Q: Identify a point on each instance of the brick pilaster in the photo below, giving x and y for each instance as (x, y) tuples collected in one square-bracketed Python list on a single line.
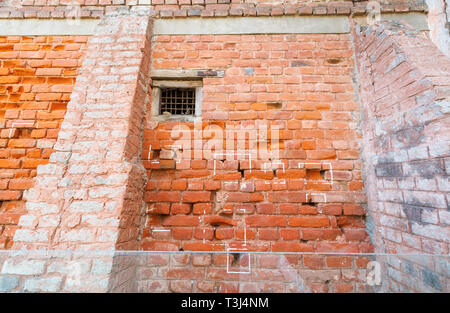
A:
[(89, 196), (404, 92)]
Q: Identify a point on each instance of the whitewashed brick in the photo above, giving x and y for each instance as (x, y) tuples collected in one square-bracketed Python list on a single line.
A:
[(52, 284), (86, 206), (27, 267), (26, 235)]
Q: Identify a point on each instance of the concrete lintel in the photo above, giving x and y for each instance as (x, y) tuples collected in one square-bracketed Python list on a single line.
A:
[(205, 26), (180, 26), (253, 25), (185, 74), (49, 27)]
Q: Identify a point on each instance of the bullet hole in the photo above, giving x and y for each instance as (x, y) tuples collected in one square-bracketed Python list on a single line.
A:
[(274, 105), (299, 64), (25, 133), (314, 174), (240, 170), (310, 202), (249, 71), (334, 61), (236, 258)]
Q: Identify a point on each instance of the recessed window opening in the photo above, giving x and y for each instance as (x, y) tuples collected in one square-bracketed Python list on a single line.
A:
[(177, 101)]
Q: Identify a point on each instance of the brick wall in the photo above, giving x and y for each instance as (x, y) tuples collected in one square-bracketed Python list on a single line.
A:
[(312, 197), (204, 8), (89, 196), (405, 94), (37, 75)]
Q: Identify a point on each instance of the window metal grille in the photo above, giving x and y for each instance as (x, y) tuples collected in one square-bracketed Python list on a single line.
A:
[(177, 101)]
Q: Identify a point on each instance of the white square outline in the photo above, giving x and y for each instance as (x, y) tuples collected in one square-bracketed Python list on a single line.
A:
[(14, 124), (249, 261), (321, 163)]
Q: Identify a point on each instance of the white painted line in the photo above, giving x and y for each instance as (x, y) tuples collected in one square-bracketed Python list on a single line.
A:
[(271, 165), (204, 213), (266, 168), (159, 229)]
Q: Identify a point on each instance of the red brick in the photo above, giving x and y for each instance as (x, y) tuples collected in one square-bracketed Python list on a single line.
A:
[(265, 208), (331, 234), (168, 196), (332, 209), (20, 184), (202, 208), (338, 261), (181, 233), (204, 233), (289, 234), (9, 218), (355, 234), (194, 196), (288, 208), (265, 220), (180, 208), (292, 247), (309, 221), (10, 195), (313, 262), (180, 220), (8, 163), (22, 143), (311, 234), (268, 234), (224, 233), (353, 209), (179, 184), (344, 287)]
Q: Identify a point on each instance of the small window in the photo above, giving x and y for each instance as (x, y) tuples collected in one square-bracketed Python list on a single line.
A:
[(176, 100)]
